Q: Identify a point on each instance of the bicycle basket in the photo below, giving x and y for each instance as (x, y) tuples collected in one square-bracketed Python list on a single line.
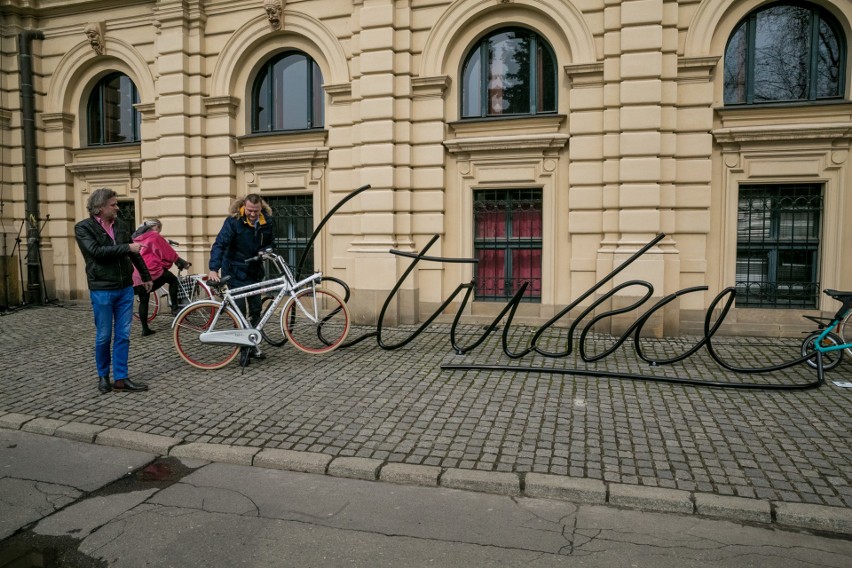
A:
[(185, 289)]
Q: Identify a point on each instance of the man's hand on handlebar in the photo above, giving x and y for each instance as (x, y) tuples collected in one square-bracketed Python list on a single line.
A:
[(213, 276)]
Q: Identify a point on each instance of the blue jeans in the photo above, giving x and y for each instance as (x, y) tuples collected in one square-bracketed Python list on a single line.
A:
[(113, 312)]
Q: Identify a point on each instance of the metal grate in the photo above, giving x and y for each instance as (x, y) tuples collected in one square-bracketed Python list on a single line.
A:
[(778, 243), (293, 216), (507, 242)]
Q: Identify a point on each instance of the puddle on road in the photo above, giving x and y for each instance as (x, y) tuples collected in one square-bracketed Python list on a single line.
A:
[(29, 550)]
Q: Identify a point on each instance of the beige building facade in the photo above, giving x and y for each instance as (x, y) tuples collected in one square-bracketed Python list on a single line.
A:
[(550, 139)]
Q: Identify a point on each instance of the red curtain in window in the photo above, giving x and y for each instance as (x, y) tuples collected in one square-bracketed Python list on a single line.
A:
[(526, 262), (490, 273)]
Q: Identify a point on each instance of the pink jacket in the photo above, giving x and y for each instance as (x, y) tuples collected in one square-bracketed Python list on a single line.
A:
[(157, 253)]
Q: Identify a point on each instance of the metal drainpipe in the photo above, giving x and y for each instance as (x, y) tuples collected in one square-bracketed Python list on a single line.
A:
[(25, 67)]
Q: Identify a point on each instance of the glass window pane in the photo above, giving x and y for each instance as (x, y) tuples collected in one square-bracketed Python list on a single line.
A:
[(736, 58), (829, 58), (290, 92), (781, 54), (546, 80), (318, 98), (261, 110), (95, 117), (472, 85), (509, 74)]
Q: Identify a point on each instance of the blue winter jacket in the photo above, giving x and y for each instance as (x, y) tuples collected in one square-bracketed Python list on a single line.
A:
[(238, 241)]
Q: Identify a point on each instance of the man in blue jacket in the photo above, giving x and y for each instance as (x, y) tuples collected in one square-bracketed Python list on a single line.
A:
[(247, 230), (110, 256)]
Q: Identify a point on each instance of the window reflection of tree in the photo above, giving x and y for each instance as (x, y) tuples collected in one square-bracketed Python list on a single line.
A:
[(784, 52)]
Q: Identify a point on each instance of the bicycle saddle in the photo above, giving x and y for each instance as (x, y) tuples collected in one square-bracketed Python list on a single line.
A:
[(839, 295)]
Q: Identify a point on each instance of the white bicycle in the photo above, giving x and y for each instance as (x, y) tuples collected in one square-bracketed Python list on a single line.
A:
[(209, 334)]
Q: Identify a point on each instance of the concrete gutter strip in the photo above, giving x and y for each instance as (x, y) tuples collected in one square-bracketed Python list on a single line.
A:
[(355, 468), (739, 508), (409, 474), (292, 460), (574, 489), (482, 481), (130, 440), (578, 490), (650, 498), (239, 455)]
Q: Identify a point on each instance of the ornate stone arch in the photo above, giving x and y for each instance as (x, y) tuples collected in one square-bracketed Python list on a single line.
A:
[(564, 22), (253, 42), (75, 71), (710, 28)]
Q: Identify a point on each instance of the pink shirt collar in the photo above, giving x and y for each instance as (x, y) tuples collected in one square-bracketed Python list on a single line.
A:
[(110, 229)]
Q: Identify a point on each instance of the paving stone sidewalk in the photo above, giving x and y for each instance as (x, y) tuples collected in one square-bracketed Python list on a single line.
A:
[(398, 408)]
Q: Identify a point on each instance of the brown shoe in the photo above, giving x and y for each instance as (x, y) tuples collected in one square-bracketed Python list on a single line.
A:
[(126, 385)]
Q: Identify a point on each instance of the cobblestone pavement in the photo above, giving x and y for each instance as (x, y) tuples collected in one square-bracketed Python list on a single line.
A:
[(400, 406)]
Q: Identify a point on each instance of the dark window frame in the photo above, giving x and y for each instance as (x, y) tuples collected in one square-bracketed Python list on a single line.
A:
[(314, 97), (745, 63), (505, 202), (97, 110), (534, 82)]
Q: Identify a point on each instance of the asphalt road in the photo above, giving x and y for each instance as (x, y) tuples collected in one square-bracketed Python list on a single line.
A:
[(72, 504)]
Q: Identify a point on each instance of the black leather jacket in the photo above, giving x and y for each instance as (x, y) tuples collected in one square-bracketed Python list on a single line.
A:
[(109, 265)]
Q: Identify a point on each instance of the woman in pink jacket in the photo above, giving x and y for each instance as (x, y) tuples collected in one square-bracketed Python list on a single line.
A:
[(159, 256)]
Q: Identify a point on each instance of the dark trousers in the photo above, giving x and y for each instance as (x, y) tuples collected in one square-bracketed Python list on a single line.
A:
[(144, 297)]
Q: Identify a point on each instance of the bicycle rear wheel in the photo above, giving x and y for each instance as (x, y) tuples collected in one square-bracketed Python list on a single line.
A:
[(153, 306), (194, 321), (845, 329), (315, 320), (831, 359)]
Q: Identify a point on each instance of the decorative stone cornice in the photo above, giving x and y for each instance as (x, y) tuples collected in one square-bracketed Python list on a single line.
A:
[(695, 69), (221, 105), (541, 142), (783, 133), (106, 166), (283, 155), (424, 87), (5, 119), (62, 121), (147, 110), (340, 93), (585, 74)]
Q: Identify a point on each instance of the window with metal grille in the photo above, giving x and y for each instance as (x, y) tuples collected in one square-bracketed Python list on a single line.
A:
[(778, 244), (293, 216), (111, 116), (127, 212), (507, 242)]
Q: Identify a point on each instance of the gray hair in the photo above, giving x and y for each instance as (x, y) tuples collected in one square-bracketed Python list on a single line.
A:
[(99, 198)]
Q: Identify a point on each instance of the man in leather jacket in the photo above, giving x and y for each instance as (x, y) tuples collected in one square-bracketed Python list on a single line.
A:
[(110, 256)]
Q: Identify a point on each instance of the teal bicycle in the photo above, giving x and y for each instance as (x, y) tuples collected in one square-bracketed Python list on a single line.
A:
[(827, 343)]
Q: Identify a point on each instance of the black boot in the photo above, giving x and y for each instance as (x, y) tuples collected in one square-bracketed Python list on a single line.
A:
[(147, 330), (103, 385)]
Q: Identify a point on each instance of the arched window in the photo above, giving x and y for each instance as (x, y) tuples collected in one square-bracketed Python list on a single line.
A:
[(787, 51), (509, 72), (112, 119), (287, 94)]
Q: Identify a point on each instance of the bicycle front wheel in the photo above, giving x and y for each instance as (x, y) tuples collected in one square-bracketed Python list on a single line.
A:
[(845, 329), (830, 359), (315, 320), (194, 321)]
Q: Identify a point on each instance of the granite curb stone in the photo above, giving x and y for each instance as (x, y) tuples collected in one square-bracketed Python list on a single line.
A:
[(130, 440), (292, 460), (14, 421), (650, 498), (482, 481), (739, 508), (798, 515), (355, 468), (239, 455), (46, 426), (817, 517), (79, 432), (409, 474), (574, 489)]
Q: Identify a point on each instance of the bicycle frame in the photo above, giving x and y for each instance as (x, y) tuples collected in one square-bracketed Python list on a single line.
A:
[(829, 328), (249, 336)]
